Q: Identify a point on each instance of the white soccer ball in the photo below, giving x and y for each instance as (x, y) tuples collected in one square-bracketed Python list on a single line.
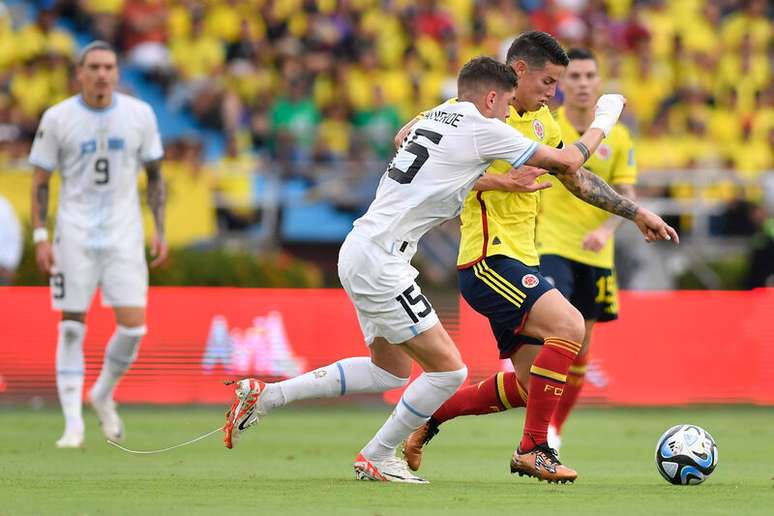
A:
[(686, 455)]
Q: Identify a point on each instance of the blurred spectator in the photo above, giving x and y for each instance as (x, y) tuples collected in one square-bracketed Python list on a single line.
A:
[(144, 34)]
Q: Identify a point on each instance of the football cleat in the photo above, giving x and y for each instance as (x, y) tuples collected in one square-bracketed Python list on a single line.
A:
[(109, 420), (554, 439), (412, 447), (389, 470), (542, 463), (70, 439), (244, 411)]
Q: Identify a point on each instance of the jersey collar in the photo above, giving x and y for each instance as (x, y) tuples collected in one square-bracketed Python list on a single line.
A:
[(95, 110)]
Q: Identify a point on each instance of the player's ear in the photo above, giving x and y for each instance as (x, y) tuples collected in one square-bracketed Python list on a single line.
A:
[(490, 99), (520, 67)]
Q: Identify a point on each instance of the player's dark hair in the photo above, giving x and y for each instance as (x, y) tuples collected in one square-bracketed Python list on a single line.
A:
[(535, 48), (95, 45), (580, 53), (485, 73)]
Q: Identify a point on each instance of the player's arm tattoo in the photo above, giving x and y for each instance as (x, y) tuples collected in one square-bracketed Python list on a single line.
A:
[(156, 195), (595, 191), (40, 192)]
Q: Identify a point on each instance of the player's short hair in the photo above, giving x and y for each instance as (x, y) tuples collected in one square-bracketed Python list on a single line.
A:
[(95, 45), (535, 48), (484, 72), (580, 53)]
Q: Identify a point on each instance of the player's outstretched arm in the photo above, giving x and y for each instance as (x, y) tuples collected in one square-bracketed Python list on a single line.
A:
[(156, 198), (44, 255), (596, 239)]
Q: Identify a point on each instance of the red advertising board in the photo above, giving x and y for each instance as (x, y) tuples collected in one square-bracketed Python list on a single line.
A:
[(667, 348)]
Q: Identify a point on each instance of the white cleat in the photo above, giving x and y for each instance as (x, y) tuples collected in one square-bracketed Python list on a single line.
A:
[(245, 411), (112, 426), (554, 439), (70, 439), (393, 469)]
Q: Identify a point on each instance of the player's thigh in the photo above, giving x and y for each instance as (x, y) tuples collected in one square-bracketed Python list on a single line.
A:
[(558, 272), (553, 316), (381, 286), (75, 274), (124, 280), (504, 291)]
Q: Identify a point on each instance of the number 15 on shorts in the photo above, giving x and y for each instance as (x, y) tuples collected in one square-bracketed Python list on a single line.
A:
[(409, 302)]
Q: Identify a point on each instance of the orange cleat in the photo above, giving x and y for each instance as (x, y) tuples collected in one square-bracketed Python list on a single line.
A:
[(542, 463), (412, 447)]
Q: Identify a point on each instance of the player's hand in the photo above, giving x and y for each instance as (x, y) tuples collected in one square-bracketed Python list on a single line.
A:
[(44, 256), (653, 227), (596, 240), (158, 250), (524, 179)]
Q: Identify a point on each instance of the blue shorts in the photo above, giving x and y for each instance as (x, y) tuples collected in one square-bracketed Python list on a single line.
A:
[(503, 290), (592, 290)]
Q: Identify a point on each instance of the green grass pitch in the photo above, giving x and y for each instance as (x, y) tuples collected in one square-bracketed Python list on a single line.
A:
[(297, 461)]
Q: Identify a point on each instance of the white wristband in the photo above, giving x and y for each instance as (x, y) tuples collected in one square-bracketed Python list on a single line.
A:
[(39, 235), (605, 123)]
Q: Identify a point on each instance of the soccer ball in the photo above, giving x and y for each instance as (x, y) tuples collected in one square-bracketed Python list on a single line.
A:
[(686, 454)]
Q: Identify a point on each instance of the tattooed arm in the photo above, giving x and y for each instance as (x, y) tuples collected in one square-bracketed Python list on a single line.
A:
[(44, 255), (595, 191), (156, 197), (596, 239)]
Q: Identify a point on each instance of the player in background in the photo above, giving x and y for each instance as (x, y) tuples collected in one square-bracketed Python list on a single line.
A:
[(575, 239), (444, 154), (97, 140), (535, 327)]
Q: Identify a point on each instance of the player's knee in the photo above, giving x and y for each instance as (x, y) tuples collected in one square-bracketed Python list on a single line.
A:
[(125, 345), (72, 332), (386, 379), (448, 381), (570, 325), (74, 316)]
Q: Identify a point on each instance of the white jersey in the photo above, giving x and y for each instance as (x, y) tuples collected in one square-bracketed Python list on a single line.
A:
[(98, 154), (437, 165)]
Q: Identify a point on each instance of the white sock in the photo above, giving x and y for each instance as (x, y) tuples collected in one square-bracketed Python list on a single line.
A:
[(69, 372), (423, 397), (121, 351), (347, 376)]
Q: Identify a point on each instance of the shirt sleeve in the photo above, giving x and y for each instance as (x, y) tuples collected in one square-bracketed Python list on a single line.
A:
[(497, 140), (624, 166), (151, 148), (45, 148)]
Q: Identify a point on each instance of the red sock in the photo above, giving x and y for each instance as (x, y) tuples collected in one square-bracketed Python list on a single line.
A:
[(547, 378), (499, 392), (575, 377)]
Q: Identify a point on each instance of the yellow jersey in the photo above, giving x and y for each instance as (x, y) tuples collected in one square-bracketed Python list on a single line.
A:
[(564, 220), (503, 223)]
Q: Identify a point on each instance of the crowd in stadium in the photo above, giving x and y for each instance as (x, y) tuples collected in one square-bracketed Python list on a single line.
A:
[(295, 85)]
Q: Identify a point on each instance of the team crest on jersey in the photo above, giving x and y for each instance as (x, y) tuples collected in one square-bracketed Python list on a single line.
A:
[(604, 151), (529, 281), (540, 131)]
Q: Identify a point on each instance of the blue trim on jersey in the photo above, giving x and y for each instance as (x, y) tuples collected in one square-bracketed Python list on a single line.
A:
[(40, 164), (414, 330), (342, 379), (412, 409), (526, 155), (83, 104)]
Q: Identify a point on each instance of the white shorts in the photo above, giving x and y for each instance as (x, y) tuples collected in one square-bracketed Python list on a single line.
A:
[(381, 285), (121, 274)]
